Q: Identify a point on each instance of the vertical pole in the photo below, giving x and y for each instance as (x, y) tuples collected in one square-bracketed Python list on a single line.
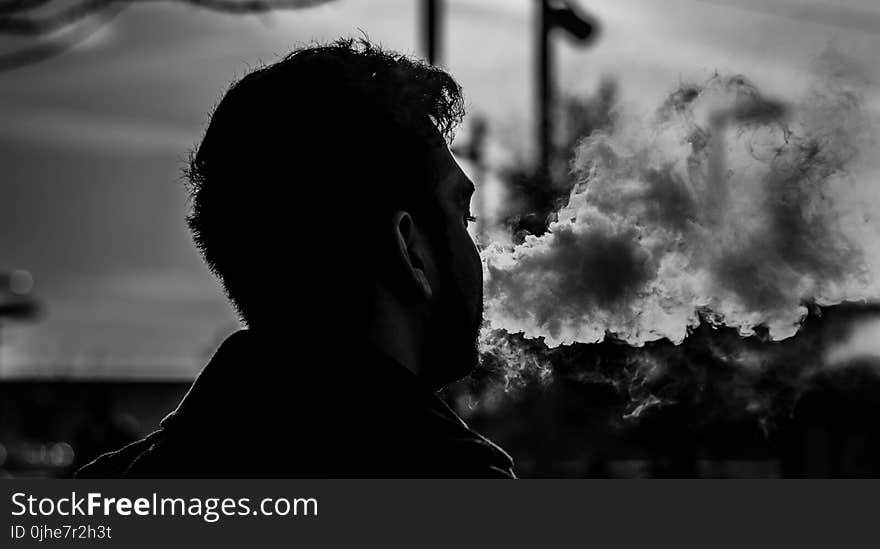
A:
[(478, 146), (544, 92), (432, 30)]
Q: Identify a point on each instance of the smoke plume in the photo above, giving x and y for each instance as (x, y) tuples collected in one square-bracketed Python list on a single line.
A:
[(724, 206)]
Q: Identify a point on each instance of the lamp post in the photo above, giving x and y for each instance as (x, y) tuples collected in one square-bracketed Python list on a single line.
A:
[(432, 30), (583, 29)]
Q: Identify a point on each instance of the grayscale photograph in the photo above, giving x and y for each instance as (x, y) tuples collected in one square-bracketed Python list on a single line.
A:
[(421, 239)]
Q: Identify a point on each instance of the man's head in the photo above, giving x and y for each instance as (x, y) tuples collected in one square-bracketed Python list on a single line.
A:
[(324, 181)]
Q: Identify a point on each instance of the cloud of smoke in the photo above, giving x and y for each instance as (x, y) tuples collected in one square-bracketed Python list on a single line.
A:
[(715, 376), (724, 206)]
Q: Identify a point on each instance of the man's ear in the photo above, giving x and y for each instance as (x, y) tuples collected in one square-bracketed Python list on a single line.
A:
[(410, 249)]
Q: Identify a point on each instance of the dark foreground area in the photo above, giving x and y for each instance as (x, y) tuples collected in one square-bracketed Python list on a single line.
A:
[(554, 429)]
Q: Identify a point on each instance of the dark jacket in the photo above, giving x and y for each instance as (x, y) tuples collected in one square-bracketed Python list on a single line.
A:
[(255, 412)]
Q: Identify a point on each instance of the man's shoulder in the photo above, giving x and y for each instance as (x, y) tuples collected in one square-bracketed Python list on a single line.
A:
[(117, 463), (422, 450)]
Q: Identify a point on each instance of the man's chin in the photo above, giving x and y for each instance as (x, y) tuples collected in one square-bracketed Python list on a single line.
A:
[(452, 350), (449, 367)]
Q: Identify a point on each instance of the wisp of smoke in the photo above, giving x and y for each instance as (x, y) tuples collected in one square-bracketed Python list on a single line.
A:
[(724, 206)]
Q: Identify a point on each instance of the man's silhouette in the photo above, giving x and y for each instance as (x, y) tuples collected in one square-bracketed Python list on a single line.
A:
[(326, 201)]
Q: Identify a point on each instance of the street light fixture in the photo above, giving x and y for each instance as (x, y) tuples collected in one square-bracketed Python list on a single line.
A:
[(553, 14)]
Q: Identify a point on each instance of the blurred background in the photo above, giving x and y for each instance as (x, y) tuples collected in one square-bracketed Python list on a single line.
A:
[(107, 312)]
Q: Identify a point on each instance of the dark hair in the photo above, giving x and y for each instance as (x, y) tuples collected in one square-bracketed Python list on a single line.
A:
[(303, 161)]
